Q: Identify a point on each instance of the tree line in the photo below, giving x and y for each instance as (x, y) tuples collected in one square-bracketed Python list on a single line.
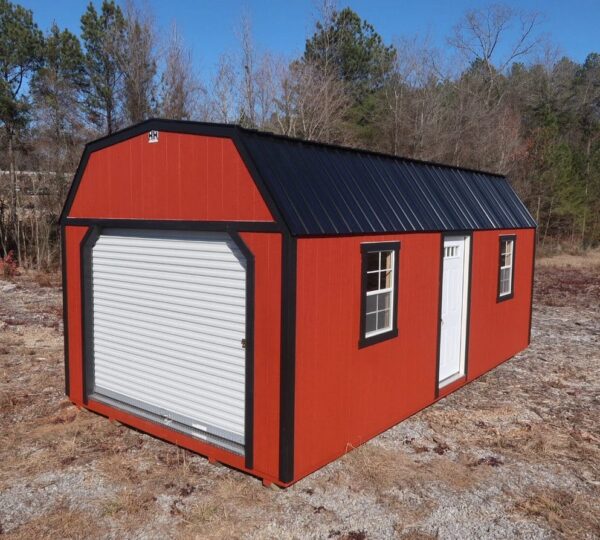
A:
[(498, 98)]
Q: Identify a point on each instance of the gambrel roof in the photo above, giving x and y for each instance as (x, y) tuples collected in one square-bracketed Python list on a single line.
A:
[(321, 189)]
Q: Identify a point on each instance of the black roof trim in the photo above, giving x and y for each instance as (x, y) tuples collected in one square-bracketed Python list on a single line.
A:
[(316, 189)]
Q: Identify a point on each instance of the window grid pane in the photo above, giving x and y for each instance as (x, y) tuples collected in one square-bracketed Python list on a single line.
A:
[(380, 267), (506, 263), (382, 311)]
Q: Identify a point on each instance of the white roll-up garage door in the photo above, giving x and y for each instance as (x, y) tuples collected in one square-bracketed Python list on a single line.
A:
[(169, 324)]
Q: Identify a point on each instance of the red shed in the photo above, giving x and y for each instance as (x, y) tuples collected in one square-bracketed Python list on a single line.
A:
[(269, 302)]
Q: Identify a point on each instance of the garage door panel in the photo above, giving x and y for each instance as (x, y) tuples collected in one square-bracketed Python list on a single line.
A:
[(169, 391), (155, 371), (226, 438), (217, 360), (169, 321), (165, 243), (214, 278), (209, 310), (226, 350), (191, 269), (217, 417), (158, 290), (145, 313), (216, 289), (218, 335), (155, 356), (208, 258)]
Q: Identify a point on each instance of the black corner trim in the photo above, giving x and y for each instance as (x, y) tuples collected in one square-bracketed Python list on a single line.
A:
[(63, 271), (532, 288), (443, 236), (502, 238), (87, 309), (366, 248), (287, 390), (249, 398)]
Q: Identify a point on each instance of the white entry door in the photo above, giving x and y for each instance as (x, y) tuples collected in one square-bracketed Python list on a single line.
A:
[(169, 325), (455, 281)]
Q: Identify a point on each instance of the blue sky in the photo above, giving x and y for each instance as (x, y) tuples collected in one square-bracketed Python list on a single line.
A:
[(281, 26)]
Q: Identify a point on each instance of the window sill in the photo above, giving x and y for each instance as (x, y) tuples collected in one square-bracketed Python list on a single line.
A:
[(505, 297), (377, 338)]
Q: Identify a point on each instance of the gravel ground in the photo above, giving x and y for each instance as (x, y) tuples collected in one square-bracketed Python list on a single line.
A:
[(514, 454)]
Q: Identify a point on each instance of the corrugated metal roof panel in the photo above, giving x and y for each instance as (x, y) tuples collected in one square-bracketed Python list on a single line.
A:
[(327, 190)]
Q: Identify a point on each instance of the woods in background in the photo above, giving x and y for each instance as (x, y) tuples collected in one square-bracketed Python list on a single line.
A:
[(497, 98)]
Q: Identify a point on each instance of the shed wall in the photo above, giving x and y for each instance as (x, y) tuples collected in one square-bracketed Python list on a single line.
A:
[(346, 395), (266, 248), (499, 330), (181, 177)]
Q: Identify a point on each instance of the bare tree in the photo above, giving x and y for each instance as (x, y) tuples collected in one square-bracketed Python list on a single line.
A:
[(222, 103), (285, 114), (483, 35), (312, 104), (248, 75), (180, 90), (139, 63)]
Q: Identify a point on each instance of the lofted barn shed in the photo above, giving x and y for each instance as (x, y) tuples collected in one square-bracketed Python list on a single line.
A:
[(269, 302)]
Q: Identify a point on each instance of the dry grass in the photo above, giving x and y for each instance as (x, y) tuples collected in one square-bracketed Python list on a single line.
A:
[(516, 453), (571, 515), (587, 259)]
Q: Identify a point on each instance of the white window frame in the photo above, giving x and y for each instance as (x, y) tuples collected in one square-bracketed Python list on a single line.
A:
[(505, 241), (387, 290)]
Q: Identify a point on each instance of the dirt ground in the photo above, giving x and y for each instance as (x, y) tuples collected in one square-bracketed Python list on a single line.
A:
[(514, 454)]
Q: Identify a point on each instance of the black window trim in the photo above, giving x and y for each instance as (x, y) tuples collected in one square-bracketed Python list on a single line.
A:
[(503, 238), (365, 249)]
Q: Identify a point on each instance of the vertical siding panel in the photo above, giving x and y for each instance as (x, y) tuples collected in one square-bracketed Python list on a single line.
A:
[(165, 206), (230, 181), (203, 209), (187, 177), (212, 181)]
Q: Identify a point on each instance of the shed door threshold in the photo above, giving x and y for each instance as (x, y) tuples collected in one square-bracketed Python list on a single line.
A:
[(171, 423)]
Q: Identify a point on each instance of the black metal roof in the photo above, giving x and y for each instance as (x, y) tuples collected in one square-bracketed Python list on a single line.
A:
[(326, 190), (321, 189)]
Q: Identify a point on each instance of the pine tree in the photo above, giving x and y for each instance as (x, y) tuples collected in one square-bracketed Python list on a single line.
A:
[(103, 36), (21, 44)]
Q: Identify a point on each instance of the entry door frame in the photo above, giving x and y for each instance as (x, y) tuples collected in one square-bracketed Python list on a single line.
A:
[(87, 308), (466, 315)]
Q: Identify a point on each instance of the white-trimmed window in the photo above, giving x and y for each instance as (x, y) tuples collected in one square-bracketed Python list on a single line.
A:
[(379, 291), (506, 273)]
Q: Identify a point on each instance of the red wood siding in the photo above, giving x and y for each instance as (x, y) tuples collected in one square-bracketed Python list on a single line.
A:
[(346, 395), (499, 330), (266, 248), (182, 177), (267, 359)]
